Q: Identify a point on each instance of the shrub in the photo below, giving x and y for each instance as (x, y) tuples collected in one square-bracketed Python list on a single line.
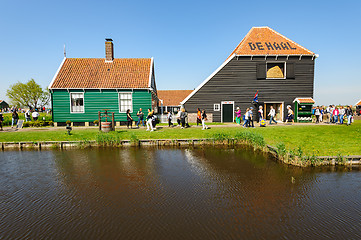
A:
[(108, 139), (255, 139), (50, 123), (220, 136), (134, 139), (281, 149)]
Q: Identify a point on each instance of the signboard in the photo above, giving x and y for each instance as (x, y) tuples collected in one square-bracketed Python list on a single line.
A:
[(20, 124), (261, 46)]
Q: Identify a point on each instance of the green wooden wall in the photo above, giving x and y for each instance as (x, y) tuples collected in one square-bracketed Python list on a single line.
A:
[(94, 101)]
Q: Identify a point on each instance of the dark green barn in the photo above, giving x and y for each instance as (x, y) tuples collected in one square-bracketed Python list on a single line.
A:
[(83, 86)]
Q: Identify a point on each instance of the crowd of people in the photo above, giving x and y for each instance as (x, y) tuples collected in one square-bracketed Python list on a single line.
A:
[(29, 114), (333, 114)]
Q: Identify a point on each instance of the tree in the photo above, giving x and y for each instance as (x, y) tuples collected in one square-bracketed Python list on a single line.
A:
[(28, 94)]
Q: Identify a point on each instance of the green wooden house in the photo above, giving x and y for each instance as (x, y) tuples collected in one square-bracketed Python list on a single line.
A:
[(84, 86)]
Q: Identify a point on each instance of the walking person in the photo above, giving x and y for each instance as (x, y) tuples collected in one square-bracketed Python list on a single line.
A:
[(238, 116), (15, 118), (1, 120), (150, 120), (290, 116), (260, 113), (250, 117), (27, 116), (35, 115), (322, 111), (335, 114), (182, 117), (349, 115), (140, 115), (272, 114), (342, 114), (245, 116), (199, 116), (204, 119), (317, 114), (169, 117), (129, 119)]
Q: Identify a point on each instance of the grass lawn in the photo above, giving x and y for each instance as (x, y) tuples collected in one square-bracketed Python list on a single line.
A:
[(320, 140)]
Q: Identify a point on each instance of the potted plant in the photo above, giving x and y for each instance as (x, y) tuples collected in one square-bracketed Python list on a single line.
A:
[(96, 122), (68, 127)]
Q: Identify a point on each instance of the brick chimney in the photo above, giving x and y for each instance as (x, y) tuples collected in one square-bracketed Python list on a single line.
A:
[(109, 51)]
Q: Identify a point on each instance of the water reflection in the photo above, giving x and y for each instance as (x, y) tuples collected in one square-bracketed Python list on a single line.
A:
[(172, 193)]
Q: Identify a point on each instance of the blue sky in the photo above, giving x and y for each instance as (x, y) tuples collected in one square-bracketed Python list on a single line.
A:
[(188, 39)]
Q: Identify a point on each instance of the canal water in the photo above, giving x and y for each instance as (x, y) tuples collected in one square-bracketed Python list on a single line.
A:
[(173, 194)]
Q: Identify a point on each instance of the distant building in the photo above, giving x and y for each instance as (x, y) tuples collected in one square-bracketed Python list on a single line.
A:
[(83, 86), (3, 104), (264, 61), (358, 108), (170, 100)]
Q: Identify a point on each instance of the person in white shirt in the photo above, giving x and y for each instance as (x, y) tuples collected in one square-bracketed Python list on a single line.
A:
[(35, 115), (260, 113), (272, 114)]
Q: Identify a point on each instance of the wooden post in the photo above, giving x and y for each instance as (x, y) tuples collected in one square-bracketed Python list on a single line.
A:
[(100, 124), (113, 124)]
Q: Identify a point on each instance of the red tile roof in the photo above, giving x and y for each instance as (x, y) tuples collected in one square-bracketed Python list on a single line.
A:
[(304, 100), (266, 41), (96, 73), (358, 103), (173, 97)]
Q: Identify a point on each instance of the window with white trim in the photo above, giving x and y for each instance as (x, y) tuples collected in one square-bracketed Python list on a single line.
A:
[(216, 107), (76, 102), (125, 102)]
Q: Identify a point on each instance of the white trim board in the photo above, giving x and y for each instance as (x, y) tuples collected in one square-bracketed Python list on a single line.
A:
[(151, 72), (56, 74), (207, 79)]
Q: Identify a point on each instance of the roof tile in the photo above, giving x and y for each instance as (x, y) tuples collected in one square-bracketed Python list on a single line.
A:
[(173, 97), (96, 73), (266, 41)]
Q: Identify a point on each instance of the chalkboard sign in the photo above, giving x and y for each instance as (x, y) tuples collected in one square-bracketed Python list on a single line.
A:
[(20, 124)]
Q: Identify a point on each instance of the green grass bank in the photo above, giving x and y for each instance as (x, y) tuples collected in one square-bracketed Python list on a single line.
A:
[(313, 140)]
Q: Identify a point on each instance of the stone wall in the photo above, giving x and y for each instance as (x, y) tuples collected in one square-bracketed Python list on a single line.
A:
[(192, 117)]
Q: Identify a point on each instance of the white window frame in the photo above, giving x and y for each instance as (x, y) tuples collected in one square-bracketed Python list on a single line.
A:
[(284, 72), (82, 93), (216, 107), (119, 106)]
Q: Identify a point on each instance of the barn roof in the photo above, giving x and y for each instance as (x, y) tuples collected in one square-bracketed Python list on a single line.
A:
[(266, 41), (173, 97), (97, 73)]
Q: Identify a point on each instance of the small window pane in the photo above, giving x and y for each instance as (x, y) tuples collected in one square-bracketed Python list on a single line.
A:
[(216, 107), (77, 102), (125, 102)]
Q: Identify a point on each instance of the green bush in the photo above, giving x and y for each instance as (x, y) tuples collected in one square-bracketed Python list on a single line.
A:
[(255, 139), (220, 136), (281, 149), (108, 139)]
